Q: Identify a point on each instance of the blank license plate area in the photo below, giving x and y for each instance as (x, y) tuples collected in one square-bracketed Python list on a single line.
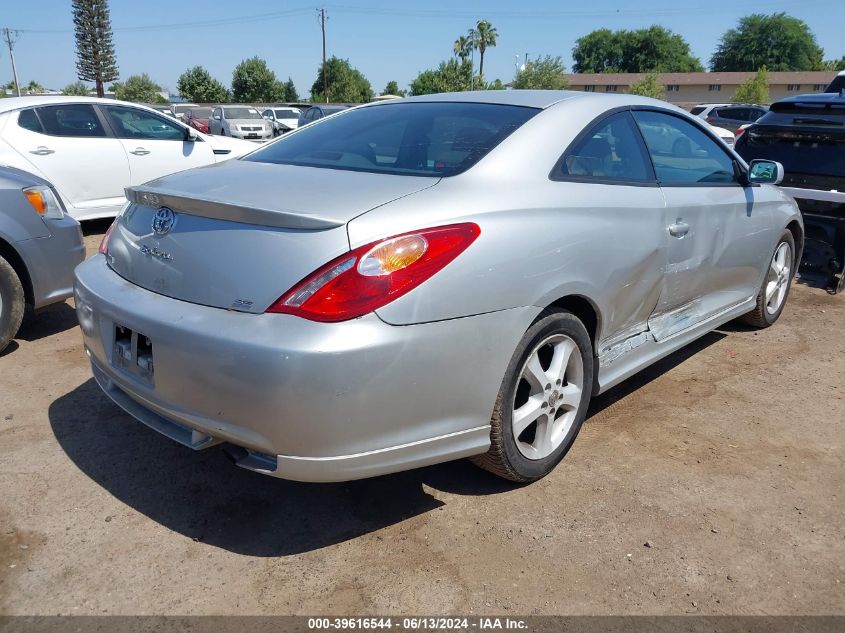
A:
[(133, 352)]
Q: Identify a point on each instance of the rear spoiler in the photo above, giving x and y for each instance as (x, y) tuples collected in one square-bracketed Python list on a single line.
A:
[(207, 208)]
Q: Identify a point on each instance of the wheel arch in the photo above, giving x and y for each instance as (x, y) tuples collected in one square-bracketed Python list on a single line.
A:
[(8, 252), (585, 310), (794, 227)]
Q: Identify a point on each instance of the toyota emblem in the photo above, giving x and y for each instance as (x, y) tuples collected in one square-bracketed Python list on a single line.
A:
[(163, 221)]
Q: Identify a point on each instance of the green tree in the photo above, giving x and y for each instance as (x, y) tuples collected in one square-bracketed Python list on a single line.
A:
[(462, 48), (253, 81), (834, 64), (346, 84), (654, 49), (482, 37), (545, 74), (197, 85), (648, 86), (392, 88), (290, 93), (754, 90), (496, 84), (34, 88), (450, 76), (95, 59), (76, 89), (139, 88), (778, 41)]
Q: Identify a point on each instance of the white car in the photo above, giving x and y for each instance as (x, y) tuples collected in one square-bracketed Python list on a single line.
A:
[(180, 109), (92, 149), (726, 135)]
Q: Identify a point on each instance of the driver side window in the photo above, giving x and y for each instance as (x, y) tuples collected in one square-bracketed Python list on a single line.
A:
[(682, 153)]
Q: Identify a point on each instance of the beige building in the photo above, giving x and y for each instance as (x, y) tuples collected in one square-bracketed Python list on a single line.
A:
[(689, 89)]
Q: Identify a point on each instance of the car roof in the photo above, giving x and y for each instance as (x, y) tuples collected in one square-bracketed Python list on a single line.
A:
[(529, 98), (16, 103), (819, 97)]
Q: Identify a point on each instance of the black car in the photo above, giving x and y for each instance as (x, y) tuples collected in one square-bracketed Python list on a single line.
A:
[(806, 134)]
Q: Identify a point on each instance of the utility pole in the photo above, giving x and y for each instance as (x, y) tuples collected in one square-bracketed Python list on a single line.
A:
[(325, 77), (11, 37)]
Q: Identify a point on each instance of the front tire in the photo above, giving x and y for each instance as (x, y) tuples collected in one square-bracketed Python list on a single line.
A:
[(771, 299), (543, 399), (12, 303)]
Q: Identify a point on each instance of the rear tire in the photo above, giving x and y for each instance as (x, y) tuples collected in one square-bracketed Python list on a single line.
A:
[(543, 399), (12, 303), (771, 299)]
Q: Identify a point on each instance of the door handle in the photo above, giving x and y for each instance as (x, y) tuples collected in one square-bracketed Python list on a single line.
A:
[(140, 151), (42, 151), (678, 229)]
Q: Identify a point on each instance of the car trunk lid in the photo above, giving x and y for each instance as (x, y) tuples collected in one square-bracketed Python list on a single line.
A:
[(239, 234)]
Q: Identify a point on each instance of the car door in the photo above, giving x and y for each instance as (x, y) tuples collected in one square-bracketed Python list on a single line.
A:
[(71, 147), (619, 196), (716, 232), (155, 145)]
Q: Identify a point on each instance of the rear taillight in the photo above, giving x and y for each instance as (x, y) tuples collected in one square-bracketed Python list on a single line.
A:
[(709, 120), (104, 243), (373, 275), (739, 133)]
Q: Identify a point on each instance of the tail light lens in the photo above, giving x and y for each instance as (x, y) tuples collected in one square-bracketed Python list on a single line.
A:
[(373, 275), (739, 133), (104, 243), (709, 120)]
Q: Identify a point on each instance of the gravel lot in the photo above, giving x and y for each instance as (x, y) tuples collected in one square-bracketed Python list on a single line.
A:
[(711, 483)]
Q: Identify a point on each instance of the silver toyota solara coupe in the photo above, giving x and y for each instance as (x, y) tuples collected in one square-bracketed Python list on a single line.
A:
[(422, 280)]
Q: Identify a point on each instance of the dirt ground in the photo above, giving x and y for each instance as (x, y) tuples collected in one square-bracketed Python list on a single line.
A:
[(712, 483)]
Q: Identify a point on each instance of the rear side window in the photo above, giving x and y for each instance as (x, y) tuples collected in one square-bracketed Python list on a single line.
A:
[(682, 153), (28, 120), (697, 110), (611, 151), (74, 119), (414, 139)]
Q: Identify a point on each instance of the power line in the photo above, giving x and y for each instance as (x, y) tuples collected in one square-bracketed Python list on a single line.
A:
[(441, 13)]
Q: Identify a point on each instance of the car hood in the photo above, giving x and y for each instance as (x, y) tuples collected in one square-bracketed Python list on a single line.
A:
[(227, 147)]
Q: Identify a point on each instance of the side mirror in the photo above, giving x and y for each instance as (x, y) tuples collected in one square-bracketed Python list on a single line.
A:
[(767, 172), (190, 134)]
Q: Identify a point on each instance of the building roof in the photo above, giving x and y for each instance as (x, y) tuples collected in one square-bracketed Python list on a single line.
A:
[(699, 79)]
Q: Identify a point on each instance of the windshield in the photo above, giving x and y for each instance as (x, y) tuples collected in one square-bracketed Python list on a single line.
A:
[(241, 113), (181, 108), (286, 115), (415, 139), (200, 113)]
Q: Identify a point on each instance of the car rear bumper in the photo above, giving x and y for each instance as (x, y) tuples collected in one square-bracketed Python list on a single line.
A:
[(301, 400)]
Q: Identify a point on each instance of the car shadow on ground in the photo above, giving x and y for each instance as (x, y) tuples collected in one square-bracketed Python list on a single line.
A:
[(51, 320), (203, 496)]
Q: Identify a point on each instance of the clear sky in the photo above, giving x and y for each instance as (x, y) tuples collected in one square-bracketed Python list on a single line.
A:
[(384, 39)]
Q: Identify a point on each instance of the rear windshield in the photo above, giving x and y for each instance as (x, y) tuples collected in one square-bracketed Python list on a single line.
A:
[(415, 139), (802, 113)]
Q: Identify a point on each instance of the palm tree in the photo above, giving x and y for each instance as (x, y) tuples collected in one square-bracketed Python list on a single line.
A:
[(484, 36), (34, 88), (462, 48)]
